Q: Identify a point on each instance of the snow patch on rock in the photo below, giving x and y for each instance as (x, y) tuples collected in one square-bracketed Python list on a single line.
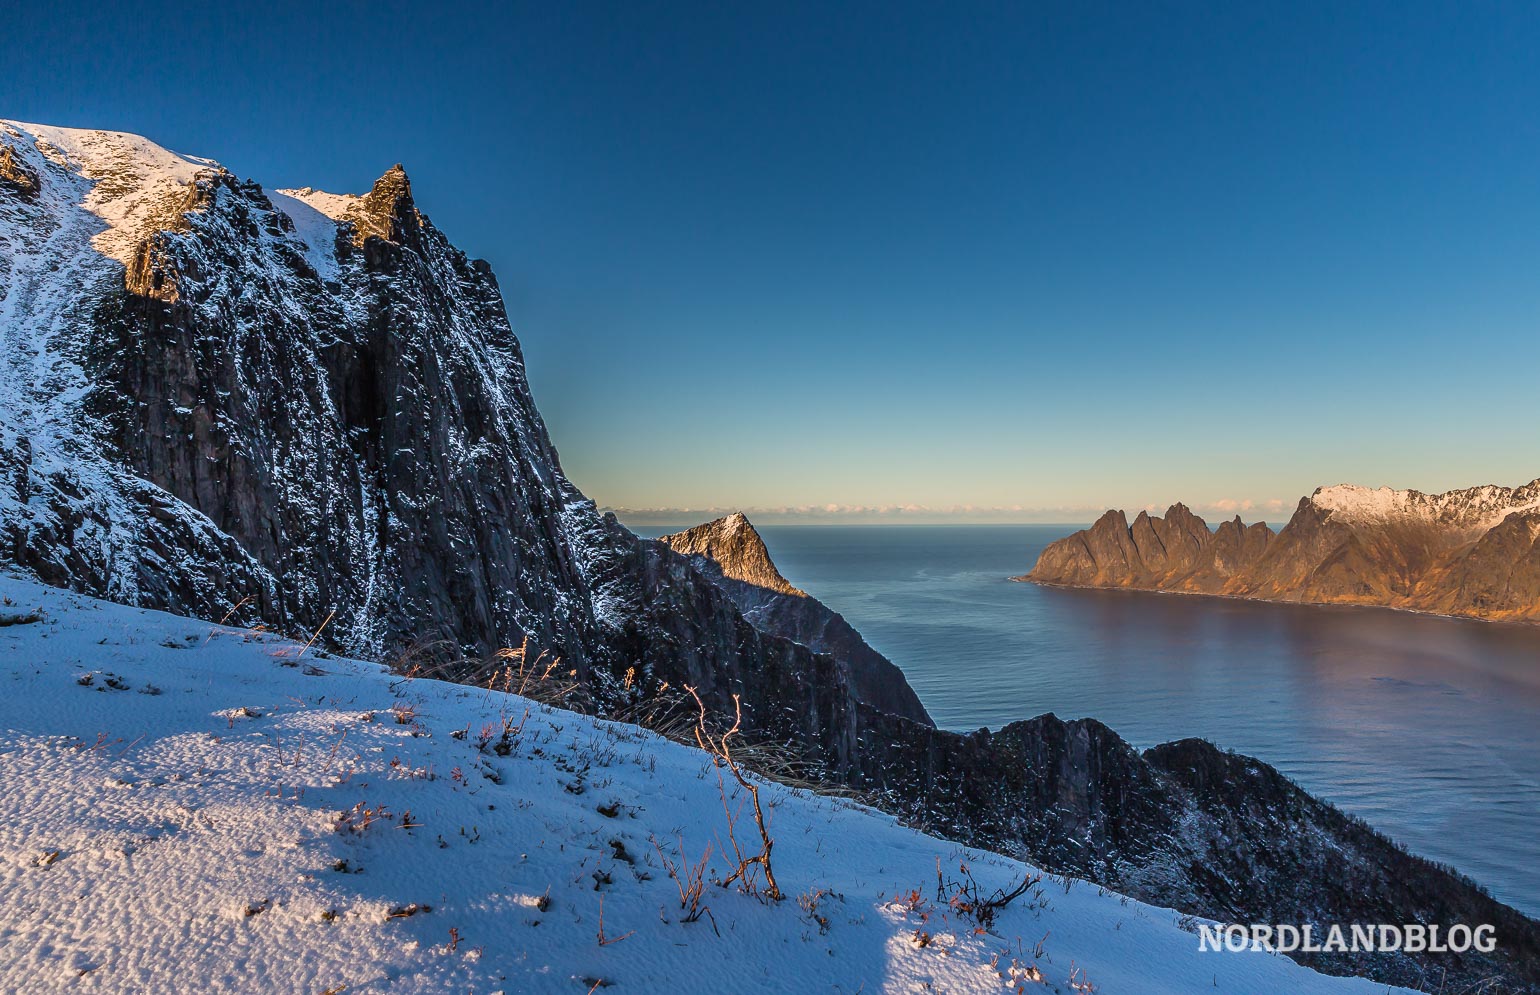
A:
[(1474, 509), (315, 227), (137, 186)]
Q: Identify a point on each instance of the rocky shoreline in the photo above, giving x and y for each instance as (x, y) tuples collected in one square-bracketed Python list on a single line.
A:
[(1473, 553)]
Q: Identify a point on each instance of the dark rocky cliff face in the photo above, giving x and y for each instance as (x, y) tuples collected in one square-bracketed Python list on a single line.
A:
[(373, 448), (220, 397), (731, 553), (1471, 553)]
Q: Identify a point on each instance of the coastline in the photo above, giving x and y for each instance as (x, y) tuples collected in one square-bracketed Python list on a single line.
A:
[(1524, 623)]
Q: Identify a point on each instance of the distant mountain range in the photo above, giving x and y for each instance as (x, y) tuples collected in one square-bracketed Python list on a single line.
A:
[(1471, 552)]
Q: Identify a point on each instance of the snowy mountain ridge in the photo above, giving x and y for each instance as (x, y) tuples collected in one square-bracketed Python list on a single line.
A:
[(1471, 509), (127, 245), (64, 246), (135, 186)]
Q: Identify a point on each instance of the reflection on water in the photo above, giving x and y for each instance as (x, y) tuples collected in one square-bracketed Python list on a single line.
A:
[(1428, 728)]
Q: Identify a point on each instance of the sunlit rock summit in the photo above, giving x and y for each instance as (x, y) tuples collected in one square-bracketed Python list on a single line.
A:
[(731, 552)]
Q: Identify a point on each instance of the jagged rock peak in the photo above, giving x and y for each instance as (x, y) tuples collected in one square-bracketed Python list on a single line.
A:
[(730, 552), (1180, 510), (735, 545), (393, 182), (386, 212)]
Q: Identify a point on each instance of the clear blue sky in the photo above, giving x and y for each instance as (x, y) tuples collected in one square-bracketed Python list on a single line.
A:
[(1001, 255)]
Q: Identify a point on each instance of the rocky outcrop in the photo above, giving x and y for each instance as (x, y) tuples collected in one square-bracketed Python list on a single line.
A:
[(1269, 850), (1470, 552), (310, 409), (731, 553), (731, 549), (1188, 826), (17, 178), (1177, 552)]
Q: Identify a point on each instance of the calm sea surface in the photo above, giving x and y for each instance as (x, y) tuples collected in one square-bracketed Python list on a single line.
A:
[(1428, 728)]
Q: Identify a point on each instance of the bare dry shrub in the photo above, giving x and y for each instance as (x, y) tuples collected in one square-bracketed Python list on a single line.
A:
[(690, 879), (967, 898), (539, 676), (606, 940), (675, 715), (809, 902), (719, 745)]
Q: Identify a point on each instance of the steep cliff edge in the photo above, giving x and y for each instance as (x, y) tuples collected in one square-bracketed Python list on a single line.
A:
[(309, 410), (203, 409), (1472, 552), (730, 551)]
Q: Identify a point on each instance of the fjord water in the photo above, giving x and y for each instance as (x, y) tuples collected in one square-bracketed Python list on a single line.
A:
[(1429, 728)]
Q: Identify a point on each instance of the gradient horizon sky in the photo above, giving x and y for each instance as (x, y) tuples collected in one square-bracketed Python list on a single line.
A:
[(1044, 259)]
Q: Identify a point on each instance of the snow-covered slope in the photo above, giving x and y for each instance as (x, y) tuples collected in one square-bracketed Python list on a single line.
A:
[(174, 820), (134, 187)]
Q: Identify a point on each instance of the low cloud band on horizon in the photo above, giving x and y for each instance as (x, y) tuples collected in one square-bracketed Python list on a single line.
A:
[(920, 514)]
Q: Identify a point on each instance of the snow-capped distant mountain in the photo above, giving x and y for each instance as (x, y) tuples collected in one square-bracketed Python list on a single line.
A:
[(1472, 552), (1471, 510)]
